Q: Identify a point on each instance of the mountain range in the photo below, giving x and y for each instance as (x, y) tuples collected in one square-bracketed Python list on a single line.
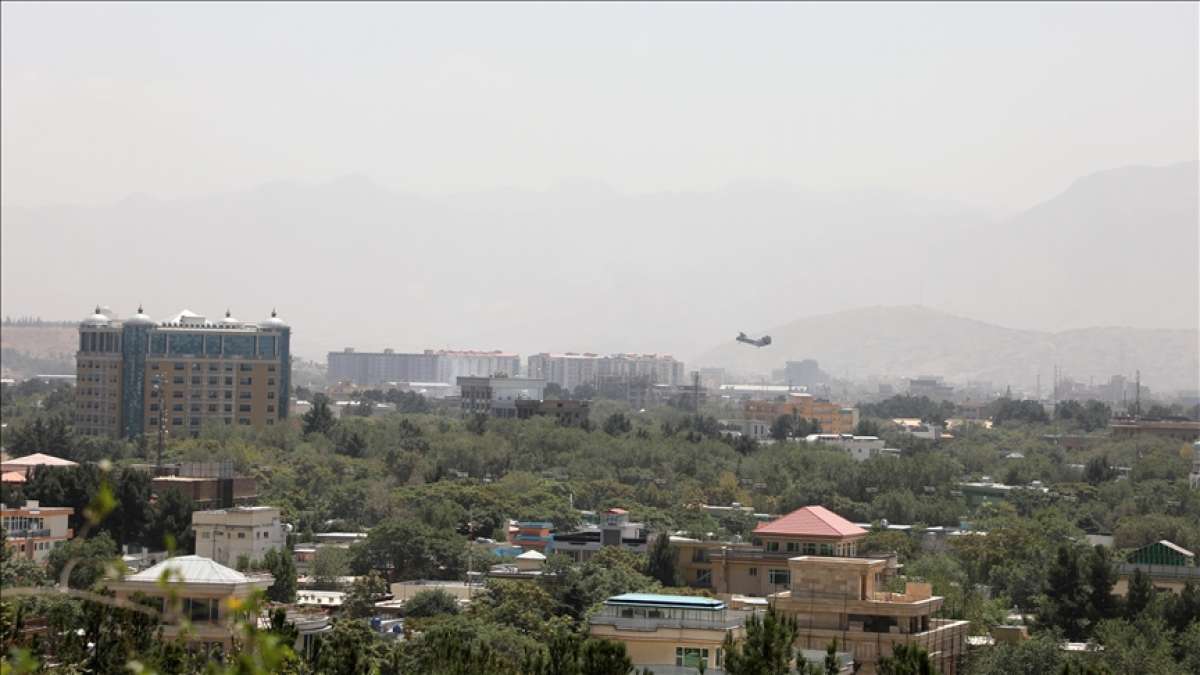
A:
[(581, 267), (910, 341)]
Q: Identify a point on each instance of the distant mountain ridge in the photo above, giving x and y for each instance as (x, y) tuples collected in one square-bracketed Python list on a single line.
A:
[(909, 341), (580, 267)]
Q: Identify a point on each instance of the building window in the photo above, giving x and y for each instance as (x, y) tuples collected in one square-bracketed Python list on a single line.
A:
[(270, 408), (245, 395), (244, 421), (772, 546), (213, 380), (178, 379), (180, 366), (228, 407), (245, 381), (779, 577), (241, 535), (195, 421), (826, 549), (153, 407), (793, 547), (270, 394), (270, 382), (690, 657), (753, 571), (228, 381), (228, 395), (244, 407), (810, 548), (177, 421), (178, 407), (703, 578), (212, 407), (245, 367)]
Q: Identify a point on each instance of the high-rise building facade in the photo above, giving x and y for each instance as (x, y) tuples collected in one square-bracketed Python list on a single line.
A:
[(571, 370), (136, 374), (371, 369)]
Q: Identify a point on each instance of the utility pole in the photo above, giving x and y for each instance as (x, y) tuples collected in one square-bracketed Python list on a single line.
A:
[(1137, 394), (162, 423)]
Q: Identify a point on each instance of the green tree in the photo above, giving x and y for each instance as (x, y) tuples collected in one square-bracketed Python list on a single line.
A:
[(617, 424), (329, 565), (349, 649), (363, 594), (604, 657), (660, 564), (782, 428), (910, 659), (1065, 605), (85, 560), (172, 524), (768, 646), (281, 566), (319, 419), (1142, 646), (1102, 576), (1140, 595), (1040, 654), (429, 603)]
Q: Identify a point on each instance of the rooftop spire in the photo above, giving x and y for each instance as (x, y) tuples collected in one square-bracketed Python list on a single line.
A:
[(227, 314)]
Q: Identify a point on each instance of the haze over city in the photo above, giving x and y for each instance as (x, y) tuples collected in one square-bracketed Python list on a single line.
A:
[(638, 177)]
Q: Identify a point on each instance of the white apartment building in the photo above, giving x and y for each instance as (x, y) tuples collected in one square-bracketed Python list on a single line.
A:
[(570, 370), (225, 535), (860, 448)]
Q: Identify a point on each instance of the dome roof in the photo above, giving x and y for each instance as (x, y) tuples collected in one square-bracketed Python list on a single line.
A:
[(229, 319), (97, 319), (273, 322), (139, 319)]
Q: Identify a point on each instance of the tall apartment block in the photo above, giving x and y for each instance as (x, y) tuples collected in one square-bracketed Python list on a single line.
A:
[(182, 372), (370, 369), (570, 370)]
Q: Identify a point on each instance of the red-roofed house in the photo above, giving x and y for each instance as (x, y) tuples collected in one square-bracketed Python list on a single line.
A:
[(25, 465), (812, 530), (760, 567)]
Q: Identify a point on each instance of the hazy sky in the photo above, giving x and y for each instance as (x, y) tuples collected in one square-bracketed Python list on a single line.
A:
[(996, 105)]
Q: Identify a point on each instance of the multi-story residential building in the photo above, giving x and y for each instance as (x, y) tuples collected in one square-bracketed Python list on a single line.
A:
[(614, 529), (838, 598), (203, 590), (226, 535), (136, 374), (32, 531), (373, 369), (759, 568), (930, 387), (570, 370), (498, 396), (833, 418), (859, 448)]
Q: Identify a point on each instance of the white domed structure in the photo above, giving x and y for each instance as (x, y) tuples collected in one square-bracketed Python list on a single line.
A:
[(273, 322), (229, 320), (139, 319), (97, 319)]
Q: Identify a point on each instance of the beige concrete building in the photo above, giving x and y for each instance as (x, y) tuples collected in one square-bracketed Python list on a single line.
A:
[(225, 535), (840, 598), (760, 567), (32, 531), (195, 588), (662, 632), (135, 374)]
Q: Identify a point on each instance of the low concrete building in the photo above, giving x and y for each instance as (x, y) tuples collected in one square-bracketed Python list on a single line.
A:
[(1169, 566), (31, 531), (669, 632), (859, 448), (199, 589), (225, 535), (614, 529), (835, 598), (498, 396)]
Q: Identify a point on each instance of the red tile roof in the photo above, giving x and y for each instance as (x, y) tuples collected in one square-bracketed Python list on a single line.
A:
[(811, 521)]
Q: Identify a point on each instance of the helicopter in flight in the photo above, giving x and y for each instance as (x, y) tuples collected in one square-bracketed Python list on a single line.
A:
[(759, 342)]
